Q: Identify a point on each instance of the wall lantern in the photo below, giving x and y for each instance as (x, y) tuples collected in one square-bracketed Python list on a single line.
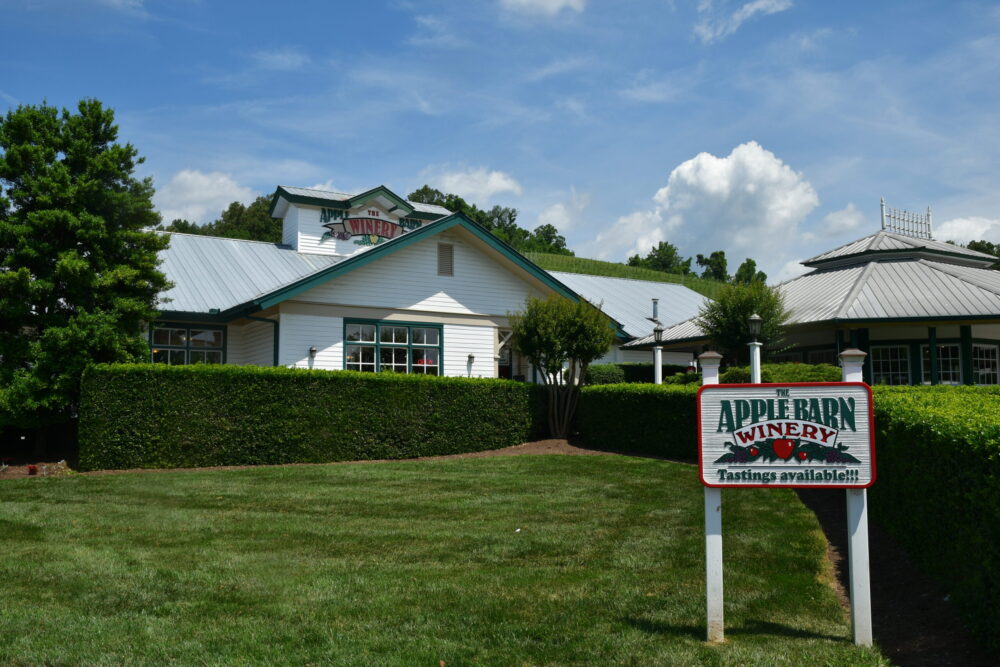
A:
[(472, 359), (756, 321), (312, 352)]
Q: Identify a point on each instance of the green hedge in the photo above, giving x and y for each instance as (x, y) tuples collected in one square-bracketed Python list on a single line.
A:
[(155, 416), (789, 372), (604, 374), (938, 489), (638, 372), (640, 419)]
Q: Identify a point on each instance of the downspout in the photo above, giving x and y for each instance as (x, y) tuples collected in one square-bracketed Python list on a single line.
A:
[(275, 336)]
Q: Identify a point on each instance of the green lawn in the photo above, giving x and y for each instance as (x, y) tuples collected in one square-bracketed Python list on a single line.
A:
[(520, 560)]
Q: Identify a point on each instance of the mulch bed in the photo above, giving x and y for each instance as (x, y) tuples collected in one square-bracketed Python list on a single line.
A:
[(914, 623)]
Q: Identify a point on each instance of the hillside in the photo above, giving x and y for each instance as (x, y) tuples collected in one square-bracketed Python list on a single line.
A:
[(596, 267)]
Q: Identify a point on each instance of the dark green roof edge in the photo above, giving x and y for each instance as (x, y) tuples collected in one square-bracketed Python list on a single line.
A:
[(381, 189), (894, 251), (345, 204)]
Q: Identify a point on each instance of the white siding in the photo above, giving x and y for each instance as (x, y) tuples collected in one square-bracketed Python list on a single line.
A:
[(250, 345), (460, 341), (309, 231), (616, 355), (290, 227), (300, 332), (408, 279)]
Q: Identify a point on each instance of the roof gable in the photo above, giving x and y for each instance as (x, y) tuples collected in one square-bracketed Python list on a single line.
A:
[(286, 194), (889, 244)]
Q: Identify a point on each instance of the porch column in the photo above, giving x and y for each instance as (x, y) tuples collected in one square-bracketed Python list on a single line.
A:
[(965, 334), (932, 344)]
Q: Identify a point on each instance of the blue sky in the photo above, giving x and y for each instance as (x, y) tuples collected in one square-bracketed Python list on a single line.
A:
[(767, 128)]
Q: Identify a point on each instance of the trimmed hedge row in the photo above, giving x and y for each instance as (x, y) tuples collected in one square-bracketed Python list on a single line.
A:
[(640, 419), (786, 372), (938, 489), (156, 416), (631, 372)]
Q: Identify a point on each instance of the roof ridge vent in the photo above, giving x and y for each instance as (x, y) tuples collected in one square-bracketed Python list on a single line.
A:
[(898, 221)]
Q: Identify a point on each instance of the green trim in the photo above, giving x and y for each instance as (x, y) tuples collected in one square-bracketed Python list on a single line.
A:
[(965, 335), (400, 203), (850, 259), (171, 324), (932, 343), (377, 344), (344, 204), (275, 336)]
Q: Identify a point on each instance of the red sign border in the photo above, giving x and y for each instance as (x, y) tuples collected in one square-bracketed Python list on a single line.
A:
[(775, 385)]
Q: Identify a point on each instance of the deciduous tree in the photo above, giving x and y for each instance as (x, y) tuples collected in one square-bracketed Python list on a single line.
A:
[(78, 264), (748, 273), (561, 338), (726, 320)]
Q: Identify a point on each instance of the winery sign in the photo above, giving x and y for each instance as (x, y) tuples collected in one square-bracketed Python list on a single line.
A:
[(786, 435)]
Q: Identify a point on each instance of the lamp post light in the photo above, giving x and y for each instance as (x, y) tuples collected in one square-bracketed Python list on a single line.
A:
[(658, 354), (756, 321)]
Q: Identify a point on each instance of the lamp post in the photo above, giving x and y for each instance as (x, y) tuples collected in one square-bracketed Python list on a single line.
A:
[(755, 325), (658, 354)]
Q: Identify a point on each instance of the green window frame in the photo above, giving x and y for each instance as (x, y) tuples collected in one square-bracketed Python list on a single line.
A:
[(182, 344), (375, 346)]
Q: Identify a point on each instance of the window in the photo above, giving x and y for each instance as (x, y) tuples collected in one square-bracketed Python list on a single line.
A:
[(890, 364), (180, 345), (446, 259), (785, 358), (984, 364), (389, 346), (949, 364)]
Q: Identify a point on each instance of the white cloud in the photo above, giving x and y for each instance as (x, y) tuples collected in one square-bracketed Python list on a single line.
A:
[(478, 185), (747, 203), (556, 67), (840, 222), (435, 33), (198, 196), (547, 7), (721, 25), (792, 269), (281, 60), (565, 215), (963, 230), (644, 90)]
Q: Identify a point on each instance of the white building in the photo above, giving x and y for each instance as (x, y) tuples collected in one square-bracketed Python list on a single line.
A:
[(373, 282)]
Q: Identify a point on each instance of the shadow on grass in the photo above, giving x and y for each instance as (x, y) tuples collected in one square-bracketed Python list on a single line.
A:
[(698, 632)]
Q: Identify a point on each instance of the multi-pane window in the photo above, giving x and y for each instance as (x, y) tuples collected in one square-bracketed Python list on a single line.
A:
[(890, 364), (984, 364), (785, 358), (387, 346), (179, 345), (824, 357), (949, 364)]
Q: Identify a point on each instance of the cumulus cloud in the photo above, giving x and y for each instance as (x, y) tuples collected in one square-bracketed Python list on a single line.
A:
[(792, 269), (546, 7), (198, 196), (718, 25), (565, 215), (837, 223), (748, 202), (963, 230), (476, 184), (281, 60)]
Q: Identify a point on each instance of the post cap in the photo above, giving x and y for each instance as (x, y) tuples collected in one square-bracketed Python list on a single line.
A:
[(710, 358), (853, 355)]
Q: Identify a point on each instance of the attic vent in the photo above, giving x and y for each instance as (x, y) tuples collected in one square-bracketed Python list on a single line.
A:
[(446, 259)]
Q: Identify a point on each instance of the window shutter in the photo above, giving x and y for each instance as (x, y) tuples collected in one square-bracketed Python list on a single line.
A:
[(446, 259)]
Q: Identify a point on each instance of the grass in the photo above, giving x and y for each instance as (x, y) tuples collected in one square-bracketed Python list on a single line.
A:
[(596, 267), (523, 560)]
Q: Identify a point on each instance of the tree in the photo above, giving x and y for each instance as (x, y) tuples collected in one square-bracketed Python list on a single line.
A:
[(78, 263), (251, 222), (714, 266), (988, 248), (664, 257), (726, 321), (748, 273), (561, 338)]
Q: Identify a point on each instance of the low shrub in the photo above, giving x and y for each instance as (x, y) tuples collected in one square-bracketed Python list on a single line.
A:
[(604, 374), (643, 372), (789, 372), (683, 378), (640, 419), (938, 489), (155, 416)]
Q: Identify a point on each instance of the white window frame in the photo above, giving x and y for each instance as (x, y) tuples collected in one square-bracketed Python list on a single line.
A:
[(925, 370), (875, 372), (976, 373)]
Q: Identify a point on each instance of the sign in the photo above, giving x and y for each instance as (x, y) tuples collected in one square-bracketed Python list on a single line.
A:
[(367, 226), (786, 435)]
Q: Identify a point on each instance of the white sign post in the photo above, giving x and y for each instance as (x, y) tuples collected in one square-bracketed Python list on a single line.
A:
[(803, 435)]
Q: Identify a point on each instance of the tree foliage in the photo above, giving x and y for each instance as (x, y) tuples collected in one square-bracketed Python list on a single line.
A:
[(987, 247), (726, 320), (501, 221), (714, 266), (251, 222), (748, 273), (561, 338), (664, 257), (78, 264)]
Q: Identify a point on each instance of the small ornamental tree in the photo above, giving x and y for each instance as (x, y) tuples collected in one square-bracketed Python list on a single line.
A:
[(561, 338), (78, 268), (726, 320)]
